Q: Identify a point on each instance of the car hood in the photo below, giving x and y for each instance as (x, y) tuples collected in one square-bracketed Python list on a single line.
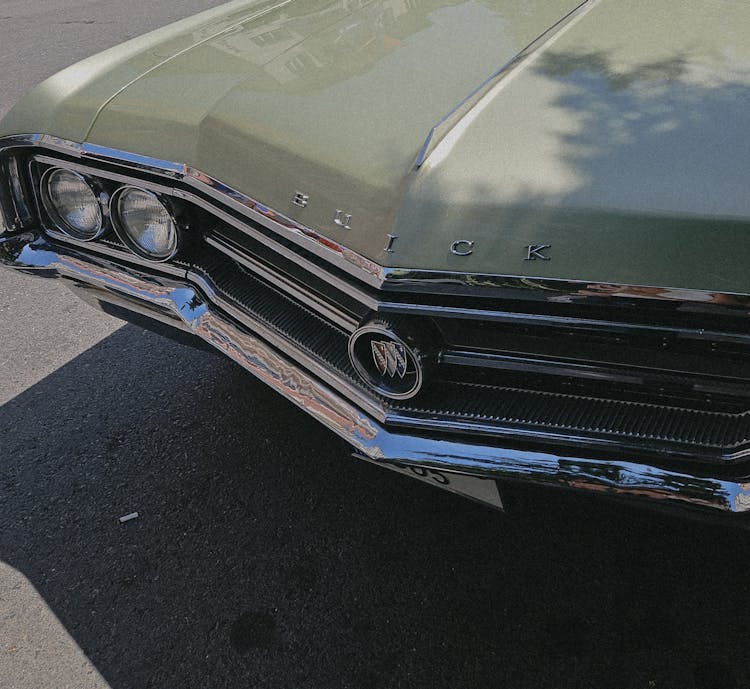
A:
[(618, 141), (323, 99)]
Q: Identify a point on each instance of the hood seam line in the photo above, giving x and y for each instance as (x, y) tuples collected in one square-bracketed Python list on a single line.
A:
[(251, 18)]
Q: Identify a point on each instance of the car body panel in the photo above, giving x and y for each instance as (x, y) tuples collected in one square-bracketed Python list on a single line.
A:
[(619, 142)]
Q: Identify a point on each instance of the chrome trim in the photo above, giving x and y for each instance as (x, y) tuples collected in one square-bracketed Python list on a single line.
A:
[(135, 161), (329, 250), (111, 252), (436, 282), (564, 439), (342, 219), (84, 169), (343, 285), (124, 235), (225, 246), (14, 211), (6, 224), (444, 126), (181, 304), (281, 250), (57, 144), (395, 279), (391, 238), (462, 247), (532, 364), (23, 214), (595, 370), (301, 199), (411, 356), (273, 220), (566, 322)]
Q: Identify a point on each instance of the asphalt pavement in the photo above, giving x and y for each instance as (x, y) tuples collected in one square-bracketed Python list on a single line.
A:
[(263, 555)]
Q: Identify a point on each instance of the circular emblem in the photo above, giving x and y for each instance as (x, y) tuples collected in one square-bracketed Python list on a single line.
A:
[(385, 362)]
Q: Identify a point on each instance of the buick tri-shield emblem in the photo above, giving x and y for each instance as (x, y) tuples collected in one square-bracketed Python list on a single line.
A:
[(389, 357), (385, 362)]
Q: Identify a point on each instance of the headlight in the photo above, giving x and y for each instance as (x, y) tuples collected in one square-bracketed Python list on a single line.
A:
[(71, 204), (143, 223)]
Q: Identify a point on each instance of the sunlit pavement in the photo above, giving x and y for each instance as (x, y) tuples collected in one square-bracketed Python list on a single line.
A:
[(42, 326), (35, 647)]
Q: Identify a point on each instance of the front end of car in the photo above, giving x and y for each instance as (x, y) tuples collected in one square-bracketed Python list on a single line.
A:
[(527, 282), (450, 377)]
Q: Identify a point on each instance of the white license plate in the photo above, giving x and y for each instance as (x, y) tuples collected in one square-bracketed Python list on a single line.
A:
[(482, 489)]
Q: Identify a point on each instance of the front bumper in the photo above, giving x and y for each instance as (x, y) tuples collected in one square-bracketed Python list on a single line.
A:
[(194, 309)]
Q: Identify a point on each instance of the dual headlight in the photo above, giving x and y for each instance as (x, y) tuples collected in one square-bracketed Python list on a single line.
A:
[(142, 222)]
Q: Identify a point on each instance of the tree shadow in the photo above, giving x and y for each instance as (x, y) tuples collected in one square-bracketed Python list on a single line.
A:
[(666, 136), (634, 172)]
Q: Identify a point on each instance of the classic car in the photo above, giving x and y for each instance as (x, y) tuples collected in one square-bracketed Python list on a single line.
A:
[(486, 242)]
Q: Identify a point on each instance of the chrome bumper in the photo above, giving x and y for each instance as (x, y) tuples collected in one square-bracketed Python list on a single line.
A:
[(183, 305)]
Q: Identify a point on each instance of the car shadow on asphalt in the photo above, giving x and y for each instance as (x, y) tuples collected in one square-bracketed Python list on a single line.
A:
[(265, 556)]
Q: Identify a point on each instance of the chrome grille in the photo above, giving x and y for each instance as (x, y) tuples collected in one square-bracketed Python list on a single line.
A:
[(678, 419)]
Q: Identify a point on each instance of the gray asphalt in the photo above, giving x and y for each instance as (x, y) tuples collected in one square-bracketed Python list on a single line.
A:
[(264, 556)]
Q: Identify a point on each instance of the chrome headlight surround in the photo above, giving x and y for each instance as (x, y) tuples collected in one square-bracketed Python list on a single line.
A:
[(4, 224), (7, 208), (126, 235), (5, 221), (53, 211), (17, 210)]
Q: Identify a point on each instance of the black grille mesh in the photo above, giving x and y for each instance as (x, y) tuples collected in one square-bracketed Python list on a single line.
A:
[(657, 426)]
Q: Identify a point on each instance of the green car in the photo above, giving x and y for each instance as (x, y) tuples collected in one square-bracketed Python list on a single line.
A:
[(484, 241)]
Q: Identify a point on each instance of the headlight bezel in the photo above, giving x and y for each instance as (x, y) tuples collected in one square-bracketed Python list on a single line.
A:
[(109, 185), (18, 196), (115, 215), (53, 213)]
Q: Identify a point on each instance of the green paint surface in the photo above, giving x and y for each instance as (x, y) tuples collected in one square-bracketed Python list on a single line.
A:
[(621, 141)]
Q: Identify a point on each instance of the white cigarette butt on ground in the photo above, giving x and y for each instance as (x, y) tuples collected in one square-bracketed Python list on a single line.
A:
[(129, 517)]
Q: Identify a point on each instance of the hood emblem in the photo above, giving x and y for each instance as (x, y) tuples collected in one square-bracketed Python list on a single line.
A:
[(385, 362), (389, 357)]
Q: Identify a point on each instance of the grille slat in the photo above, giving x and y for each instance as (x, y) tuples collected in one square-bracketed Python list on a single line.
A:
[(674, 427)]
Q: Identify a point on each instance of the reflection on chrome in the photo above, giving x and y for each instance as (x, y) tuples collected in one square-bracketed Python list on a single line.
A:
[(181, 304)]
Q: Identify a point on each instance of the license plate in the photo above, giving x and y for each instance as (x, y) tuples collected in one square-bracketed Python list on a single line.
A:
[(481, 489)]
